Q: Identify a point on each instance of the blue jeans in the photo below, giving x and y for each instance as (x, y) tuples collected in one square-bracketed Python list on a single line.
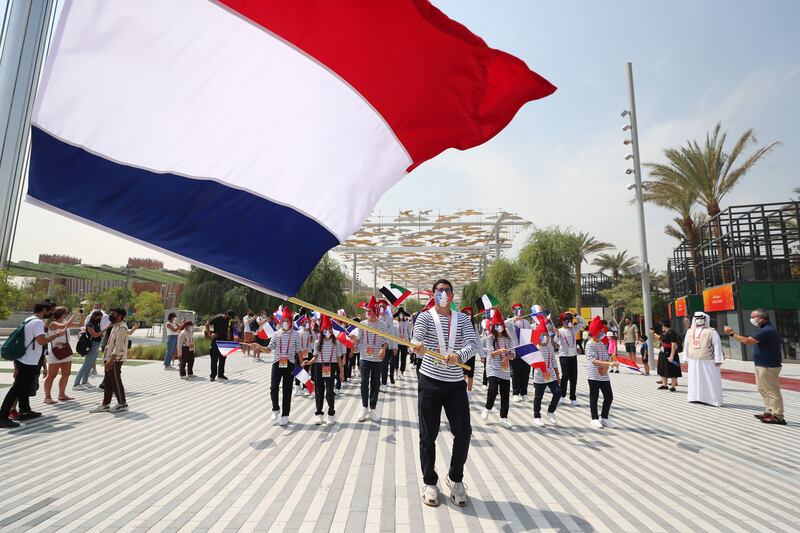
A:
[(172, 345), (86, 368)]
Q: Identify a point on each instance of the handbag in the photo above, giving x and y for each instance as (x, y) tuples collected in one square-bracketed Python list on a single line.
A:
[(62, 351), (84, 344)]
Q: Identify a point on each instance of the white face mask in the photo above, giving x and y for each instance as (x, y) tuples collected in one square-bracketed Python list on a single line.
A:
[(498, 328), (544, 340), (327, 333), (754, 321), (286, 326), (700, 321)]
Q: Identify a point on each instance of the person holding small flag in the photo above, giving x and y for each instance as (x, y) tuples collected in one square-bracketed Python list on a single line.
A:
[(520, 371), (440, 386), (219, 329), (498, 346), (285, 348), (545, 379), (326, 364), (373, 353), (388, 368), (568, 355), (307, 339), (598, 365)]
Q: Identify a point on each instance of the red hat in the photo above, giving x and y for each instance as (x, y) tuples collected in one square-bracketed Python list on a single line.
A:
[(563, 316), (515, 308), (467, 308), (497, 318), (372, 304), (383, 301), (326, 323), (596, 326), (286, 314)]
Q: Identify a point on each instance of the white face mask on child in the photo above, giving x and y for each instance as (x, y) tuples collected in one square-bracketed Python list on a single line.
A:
[(498, 328), (327, 333), (286, 326)]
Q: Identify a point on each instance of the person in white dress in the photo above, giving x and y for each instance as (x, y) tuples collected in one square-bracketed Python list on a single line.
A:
[(703, 349)]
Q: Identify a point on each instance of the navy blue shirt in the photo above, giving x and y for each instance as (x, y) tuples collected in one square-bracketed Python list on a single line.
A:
[(767, 352)]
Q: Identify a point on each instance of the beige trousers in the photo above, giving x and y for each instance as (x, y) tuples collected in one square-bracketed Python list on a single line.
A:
[(769, 387)]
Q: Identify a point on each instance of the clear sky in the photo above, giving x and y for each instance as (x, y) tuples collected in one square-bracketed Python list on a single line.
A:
[(561, 161)]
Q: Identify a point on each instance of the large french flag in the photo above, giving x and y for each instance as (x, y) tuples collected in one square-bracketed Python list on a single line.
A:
[(164, 120), (527, 349)]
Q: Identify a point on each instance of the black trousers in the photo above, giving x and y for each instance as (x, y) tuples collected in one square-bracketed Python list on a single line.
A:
[(538, 394), (187, 362), (348, 365), (20, 391), (503, 385), (323, 388), (370, 382), (435, 395), (387, 370), (403, 352), (569, 374), (281, 376), (520, 376), (485, 379), (217, 361), (114, 386), (595, 388)]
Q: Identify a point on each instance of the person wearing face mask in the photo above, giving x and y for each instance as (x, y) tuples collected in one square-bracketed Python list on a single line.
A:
[(373, 352), (766, 343), (568, 356), (307, 339), (404, 332), (704, 351), (388, 368), (499, 352), (261, 321), (284, 347), (544, 379), (668, 362), (326, 364), (520, 370), (440, 386), (598, 366), (116, 354)]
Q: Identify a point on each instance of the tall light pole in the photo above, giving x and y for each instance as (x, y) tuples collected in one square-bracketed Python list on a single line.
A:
[(637, 174)]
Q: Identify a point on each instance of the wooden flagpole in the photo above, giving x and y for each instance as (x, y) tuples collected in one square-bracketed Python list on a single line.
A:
[(363, 325)]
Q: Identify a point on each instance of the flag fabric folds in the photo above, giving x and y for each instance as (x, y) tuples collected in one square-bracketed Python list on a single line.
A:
[(341, 334), (487, 301), (303, 377), (237, 106), (226, 348), (266, 331), (395, 294), (527, 349), (630, 364)]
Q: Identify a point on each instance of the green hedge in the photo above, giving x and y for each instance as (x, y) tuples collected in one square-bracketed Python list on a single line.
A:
[(156, 352)]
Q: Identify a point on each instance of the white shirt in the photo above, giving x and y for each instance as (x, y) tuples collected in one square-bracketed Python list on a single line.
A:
[(170, 333), (105, 322), (33, 350), (246, 323)]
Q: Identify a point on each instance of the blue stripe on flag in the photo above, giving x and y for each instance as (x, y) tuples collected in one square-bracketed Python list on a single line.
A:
[(193, 218)]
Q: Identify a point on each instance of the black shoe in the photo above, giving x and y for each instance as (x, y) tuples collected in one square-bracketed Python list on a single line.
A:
[(771, 419), (29, 415), (663, 387), (762, 415), (8, 423), (224, 378), (213, 378), (672, 389)]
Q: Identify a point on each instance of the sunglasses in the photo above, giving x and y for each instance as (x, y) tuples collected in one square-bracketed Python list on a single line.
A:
[(448, 290)]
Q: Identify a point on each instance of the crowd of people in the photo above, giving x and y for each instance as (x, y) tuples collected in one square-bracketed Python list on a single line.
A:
[(439, 345)]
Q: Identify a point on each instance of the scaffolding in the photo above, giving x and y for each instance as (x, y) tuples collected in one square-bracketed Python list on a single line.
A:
[(759, 242), (591, 285)]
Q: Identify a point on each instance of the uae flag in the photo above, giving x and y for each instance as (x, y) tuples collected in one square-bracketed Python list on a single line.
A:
[(487, 301), (395, 294), (244, 106)]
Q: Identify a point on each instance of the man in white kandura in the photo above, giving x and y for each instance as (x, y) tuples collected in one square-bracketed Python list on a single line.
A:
[(704, 350)]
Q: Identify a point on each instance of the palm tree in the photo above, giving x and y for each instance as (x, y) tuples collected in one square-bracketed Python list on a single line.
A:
[(588, 245), (686, 232), (617, 264), (667, 194)]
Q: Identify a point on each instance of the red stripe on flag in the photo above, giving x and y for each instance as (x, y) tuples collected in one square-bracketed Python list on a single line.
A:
[(436, 84)]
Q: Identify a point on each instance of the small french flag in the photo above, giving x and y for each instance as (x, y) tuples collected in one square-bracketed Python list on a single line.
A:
[(226, 348), (528, 350), (630, 364), (266, 331), (341, 334), (301, 375)]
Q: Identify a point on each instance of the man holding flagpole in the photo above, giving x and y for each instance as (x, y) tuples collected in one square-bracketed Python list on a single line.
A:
[(441, 386)]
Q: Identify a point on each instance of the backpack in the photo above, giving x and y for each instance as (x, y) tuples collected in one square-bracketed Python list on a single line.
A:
[(14, 347)]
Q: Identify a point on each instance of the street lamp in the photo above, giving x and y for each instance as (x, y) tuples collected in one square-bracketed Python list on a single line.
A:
[(637, 185)]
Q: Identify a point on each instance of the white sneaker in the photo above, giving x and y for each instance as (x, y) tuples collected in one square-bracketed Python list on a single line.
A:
[(384, 388), (274, 415), (430, 495), (117, 408), (524, 397), (607, 423), (458, 492), (284, 421), (318, 420), (401, 377), (574, 403), (78, 387), (297, 392), (184, 377), (375, 416), (331, 420), (517, 398), (552, 418), (101, 409), (506, 424), (469, 396), (596, 424), (538, 422), (88, 385), (364, 415), (562, 401), (485, 414)]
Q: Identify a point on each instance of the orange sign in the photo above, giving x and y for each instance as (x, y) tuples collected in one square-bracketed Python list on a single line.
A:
[(718, 298), (680, 306)]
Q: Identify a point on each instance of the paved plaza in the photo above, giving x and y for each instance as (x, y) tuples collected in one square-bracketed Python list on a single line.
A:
[(203, 456)]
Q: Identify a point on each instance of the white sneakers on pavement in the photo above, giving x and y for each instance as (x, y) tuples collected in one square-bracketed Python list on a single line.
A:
[(469, 396), (101, 409), (485, 414), (551, 417), (517, 398), (607, 423), (318, 420), (596, 424), (574, 403), (274, 415), (506, 423), (375, 416), (364, 415), (284, 421), (430, 495), (458, 492), (524, 398), (117, 408), (538, 422), (331, 420)]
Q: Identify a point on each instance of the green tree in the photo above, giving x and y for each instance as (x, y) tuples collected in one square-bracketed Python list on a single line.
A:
[(587, 245), (412, 305), (325, 285), (9, 296), (501, 277), (208, 293), (626, 295), (548, 260), (618, 264), (115, 297), (149, 307)]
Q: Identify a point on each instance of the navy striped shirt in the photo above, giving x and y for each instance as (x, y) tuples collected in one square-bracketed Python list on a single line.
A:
[(466, 345), (369, 341), (596, 350), (330, 351), (494, 367)]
